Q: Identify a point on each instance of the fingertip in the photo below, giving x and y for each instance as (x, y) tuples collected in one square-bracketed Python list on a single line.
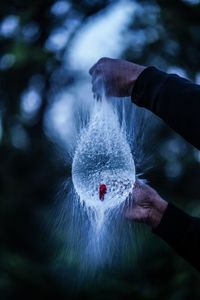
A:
[(136, 184), (139, 183), (91, 70)]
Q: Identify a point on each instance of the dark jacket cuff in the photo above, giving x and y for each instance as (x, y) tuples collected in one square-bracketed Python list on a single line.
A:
[(147, 87), (173, 225)]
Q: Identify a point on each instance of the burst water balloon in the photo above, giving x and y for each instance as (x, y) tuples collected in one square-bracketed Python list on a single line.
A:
[(103, 170), (102, 150)]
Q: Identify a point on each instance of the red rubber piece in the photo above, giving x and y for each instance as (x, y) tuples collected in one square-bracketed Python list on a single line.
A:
[(102, 191)]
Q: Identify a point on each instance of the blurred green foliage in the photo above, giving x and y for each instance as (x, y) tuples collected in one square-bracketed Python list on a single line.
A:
[(161, 33)]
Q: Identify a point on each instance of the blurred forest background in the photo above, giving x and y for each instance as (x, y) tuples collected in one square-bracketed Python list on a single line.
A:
[(42, 63)]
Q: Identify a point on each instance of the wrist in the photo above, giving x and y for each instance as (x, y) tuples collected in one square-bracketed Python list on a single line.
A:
[(157, 211), (137, 70)]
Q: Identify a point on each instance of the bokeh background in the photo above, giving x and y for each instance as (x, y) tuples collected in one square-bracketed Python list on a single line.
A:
[(47, 48)]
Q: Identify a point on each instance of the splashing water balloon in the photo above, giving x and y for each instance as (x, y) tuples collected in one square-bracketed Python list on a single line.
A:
[(103, 170), (106, 135)]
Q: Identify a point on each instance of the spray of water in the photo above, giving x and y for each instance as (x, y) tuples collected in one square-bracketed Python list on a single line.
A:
[(103, 162), (104, 151)]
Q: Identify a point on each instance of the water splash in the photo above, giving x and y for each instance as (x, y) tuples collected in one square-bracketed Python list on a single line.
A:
[(103, 158), (104, 150)]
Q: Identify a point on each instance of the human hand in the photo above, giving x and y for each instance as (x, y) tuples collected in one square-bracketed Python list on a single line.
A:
[(116, 76), (148, 207)]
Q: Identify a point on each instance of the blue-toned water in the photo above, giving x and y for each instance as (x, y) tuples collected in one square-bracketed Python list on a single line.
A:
[(105, 149), (103, 155)]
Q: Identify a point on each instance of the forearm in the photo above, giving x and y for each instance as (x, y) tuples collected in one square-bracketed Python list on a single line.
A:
[(173, 99), (182, 233)]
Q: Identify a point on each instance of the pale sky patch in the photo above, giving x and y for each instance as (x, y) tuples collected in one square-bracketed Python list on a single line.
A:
[(101, 36)]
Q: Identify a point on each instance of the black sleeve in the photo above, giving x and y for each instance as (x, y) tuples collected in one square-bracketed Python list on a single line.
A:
[(176, 101), (173, 99), (182, 233)]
